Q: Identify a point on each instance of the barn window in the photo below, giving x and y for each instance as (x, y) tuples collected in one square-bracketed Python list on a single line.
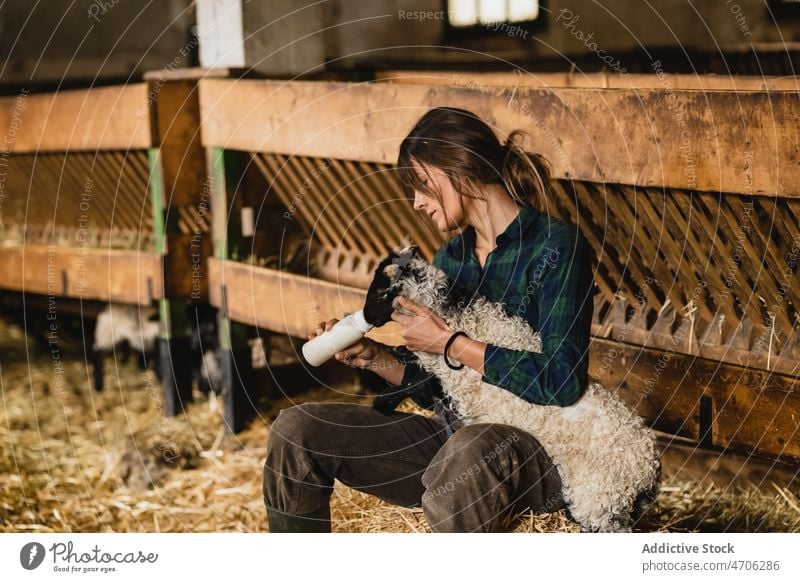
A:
[(466, 13)]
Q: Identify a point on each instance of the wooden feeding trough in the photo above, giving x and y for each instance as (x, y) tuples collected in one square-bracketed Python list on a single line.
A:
[(685, 187), (103, 201)]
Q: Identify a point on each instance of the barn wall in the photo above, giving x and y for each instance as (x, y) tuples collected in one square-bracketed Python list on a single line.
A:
[(109, 40), (294, 38), (92, 40), (616, 27)]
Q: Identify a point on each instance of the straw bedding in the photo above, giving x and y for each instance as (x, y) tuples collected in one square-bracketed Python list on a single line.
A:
[(72, 460)]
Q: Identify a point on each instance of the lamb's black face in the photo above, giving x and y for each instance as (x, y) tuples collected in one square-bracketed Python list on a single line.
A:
[(386, 285)]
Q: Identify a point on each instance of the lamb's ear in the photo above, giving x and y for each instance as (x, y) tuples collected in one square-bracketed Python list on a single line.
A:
[(405, 255)]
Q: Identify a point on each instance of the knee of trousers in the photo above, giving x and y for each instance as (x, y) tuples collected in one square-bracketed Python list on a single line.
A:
[(470, 452), (469, 478), (293, 438), (296, 426)]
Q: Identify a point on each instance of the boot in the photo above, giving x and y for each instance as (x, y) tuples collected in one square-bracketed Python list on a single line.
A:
[(318, 521)]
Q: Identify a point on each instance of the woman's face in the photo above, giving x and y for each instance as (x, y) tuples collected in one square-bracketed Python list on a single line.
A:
[(449, 217)]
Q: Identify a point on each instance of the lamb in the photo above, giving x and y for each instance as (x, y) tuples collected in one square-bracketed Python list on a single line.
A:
[(119, 324), (138, 327), (605, 454)]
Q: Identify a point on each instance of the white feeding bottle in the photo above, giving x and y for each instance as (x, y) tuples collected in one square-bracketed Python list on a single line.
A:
[(342, 335)]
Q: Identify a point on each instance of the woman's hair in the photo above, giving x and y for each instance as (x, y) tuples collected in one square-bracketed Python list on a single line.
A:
[(466, 149)]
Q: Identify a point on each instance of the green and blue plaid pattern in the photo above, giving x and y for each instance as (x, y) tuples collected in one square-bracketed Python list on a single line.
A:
[(540, 270)]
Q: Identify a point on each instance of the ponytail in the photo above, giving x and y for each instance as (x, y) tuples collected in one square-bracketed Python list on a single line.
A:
[(525, 175)]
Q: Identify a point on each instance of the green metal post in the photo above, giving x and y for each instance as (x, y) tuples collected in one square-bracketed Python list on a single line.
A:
[(227, 235), (174, 352)]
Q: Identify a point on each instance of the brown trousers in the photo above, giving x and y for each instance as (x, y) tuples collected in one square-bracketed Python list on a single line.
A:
[(465, 483)]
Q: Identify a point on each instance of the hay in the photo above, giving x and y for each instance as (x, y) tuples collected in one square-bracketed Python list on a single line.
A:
[(687, 506), (73, 460), (353, 511)]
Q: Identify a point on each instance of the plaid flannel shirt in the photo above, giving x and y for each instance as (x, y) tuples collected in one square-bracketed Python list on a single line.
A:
[(540, 270)]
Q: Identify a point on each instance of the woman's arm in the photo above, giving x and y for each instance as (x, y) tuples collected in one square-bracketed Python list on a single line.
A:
[(399, 370), (370, 355), (469, 352), (556, 376), (561, 309), (466, 350)]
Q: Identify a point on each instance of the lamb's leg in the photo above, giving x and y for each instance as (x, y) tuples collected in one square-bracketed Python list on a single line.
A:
[(175, 373), (98, 361), (124, 352)]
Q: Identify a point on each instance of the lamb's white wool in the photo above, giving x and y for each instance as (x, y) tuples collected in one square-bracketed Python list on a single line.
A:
[(119, 322), (211, 369), (605, 454)]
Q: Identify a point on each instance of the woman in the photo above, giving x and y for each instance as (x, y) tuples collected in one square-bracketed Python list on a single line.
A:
[(466, 478)]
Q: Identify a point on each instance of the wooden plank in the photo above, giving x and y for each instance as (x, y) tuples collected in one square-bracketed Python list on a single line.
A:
[(285, 302), (100, 118), (185, 266), (87, 273), (674, 138), (192, 73), (752, 410), (88, 309), (176, 121), (184, 255), (683, 461), (519, 78)]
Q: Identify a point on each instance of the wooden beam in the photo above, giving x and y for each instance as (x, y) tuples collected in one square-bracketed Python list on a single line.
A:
[(101, 118), (176, 120), (285, 302), (185, 266), (747, 410), (87, 273), (193, 73), (519, 78), (682, 460), (698, 140)]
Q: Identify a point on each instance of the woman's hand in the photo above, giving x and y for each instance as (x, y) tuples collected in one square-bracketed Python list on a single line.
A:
[(366, 354), (424, 331), (322, 327)]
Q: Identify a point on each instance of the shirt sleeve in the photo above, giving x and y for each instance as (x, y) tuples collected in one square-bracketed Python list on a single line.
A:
[(422, 385), (561, 306)]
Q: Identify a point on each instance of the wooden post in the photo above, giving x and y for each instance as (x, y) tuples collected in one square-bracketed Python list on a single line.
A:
[(178, 186), (174, 357), (227, 171)]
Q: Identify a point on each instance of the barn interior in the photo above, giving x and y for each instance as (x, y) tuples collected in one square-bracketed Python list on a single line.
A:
[(188, 187)]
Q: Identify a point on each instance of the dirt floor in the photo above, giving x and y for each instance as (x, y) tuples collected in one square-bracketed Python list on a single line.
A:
[(74, 460)]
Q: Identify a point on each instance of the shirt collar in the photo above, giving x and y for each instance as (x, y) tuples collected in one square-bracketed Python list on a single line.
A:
[(516, 229), (521, 223)]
